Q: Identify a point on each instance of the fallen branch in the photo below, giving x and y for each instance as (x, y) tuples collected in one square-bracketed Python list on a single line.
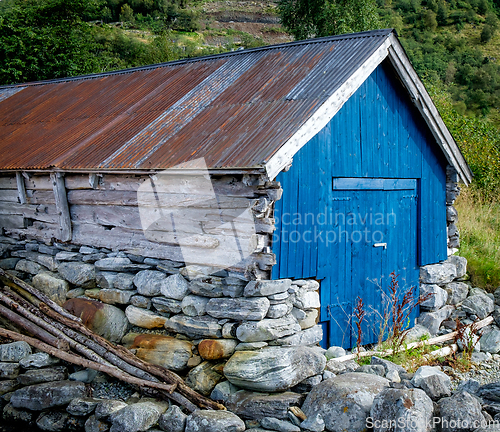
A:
[(18, 284), (28, 302), (33, 329), (71, 358), (439, 339)]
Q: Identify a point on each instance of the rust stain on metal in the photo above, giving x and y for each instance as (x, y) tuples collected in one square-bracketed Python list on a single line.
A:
[(234, 109)]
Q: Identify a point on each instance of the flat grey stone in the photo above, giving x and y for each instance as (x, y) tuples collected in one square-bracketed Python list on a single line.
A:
[(223, 390), (94, 425), (140, 302), (57, 421), (82, 406), (84, 375), (417, 333), (334, 352), (14, 351), (267, 329), (266, 287), (437, 297), (310, 336), (7, 386), (67, 256), (38, 360), (212, 288), (304, 299), (490, 342), (9, 370), (119, 264), (314, 423), (387, 365), (144, 318), (434, 382), (214, 421), (273, 368), (175, 287), (173, 420), (478, 304), (204, 377), (30, 267), (460, 412), (460, 263), (279, 310), (441, 273), (137, 417), (432, 320), (166, 305), (149, 282), (254, 309), (255, 406), (457, 292), (278, 425), (193, 305), (195, 327), (115, 296), (48, 395), (37, 376), (79, 274), (107, 407), (412, 406)]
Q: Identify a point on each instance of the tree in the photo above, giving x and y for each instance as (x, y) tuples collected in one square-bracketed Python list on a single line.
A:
[(430, 21), (317, 18), (43, 39), (486, 34)]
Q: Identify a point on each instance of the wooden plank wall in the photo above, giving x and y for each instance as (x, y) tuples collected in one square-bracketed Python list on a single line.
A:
[(104, 212)]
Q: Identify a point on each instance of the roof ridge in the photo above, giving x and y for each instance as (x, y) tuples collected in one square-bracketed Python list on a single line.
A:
[(369, 33)]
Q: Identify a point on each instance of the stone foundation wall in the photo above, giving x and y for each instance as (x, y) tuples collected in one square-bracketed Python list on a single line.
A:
[(452, 192), (173, 315)]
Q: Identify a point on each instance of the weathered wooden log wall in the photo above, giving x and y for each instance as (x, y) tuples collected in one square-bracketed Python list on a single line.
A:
[(104, 212)]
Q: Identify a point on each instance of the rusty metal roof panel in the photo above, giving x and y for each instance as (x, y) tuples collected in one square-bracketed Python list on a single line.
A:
[(234, 109)]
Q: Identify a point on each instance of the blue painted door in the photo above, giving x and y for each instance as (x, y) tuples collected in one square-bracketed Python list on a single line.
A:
[(371, 232)]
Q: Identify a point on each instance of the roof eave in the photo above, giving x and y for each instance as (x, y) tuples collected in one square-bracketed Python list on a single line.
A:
[(391, 48)]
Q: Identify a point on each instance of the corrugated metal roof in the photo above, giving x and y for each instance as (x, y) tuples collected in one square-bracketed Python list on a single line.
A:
[(235, 109)]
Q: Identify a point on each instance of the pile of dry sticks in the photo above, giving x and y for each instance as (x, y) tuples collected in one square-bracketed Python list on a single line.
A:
[(30, 316)]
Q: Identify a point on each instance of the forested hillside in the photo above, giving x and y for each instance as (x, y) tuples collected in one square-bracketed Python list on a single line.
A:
[(453, 44)]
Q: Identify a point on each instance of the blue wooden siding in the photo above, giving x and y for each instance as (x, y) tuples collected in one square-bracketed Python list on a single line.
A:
[(376, 134)]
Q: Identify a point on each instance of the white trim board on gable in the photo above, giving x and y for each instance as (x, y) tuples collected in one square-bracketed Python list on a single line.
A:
[(393, 50)]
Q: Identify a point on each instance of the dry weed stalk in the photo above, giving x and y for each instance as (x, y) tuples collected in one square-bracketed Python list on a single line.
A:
[(359, 313)]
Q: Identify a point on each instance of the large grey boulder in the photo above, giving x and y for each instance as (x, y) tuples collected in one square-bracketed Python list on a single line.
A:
[(412, 408), (441, 273), (273, 369), (214, 421), (137, 417), (47, 395), (457, 292), (345, 401), (490, 342), (79, 274), (460, 412), (52, 286), (30, 267), (14, 352), (434, 382), (254, 309), (437, 297), (479, 304), (267, 329)]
